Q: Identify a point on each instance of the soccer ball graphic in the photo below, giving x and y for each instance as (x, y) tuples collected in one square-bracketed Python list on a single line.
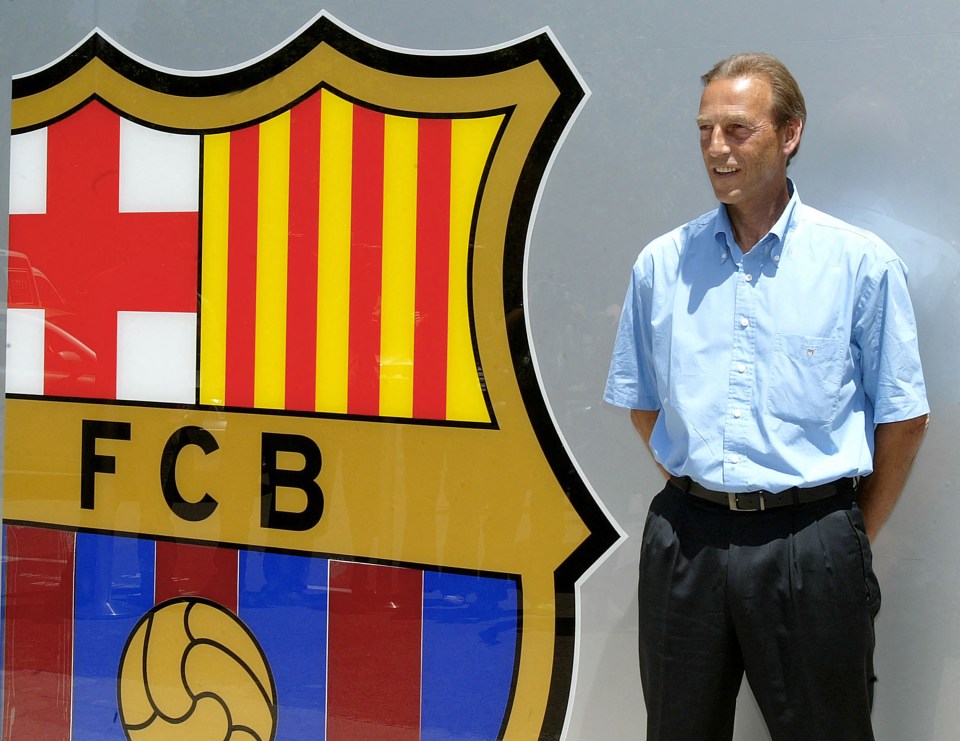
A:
[(192, 669)]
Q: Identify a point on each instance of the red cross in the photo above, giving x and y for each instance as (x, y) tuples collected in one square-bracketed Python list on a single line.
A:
[(100, 261)]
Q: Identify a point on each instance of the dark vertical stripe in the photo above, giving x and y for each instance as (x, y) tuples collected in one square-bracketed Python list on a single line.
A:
[(283, 600), (304, 227), (114, 588), (196, 571), (38, 633), (433, 270), (366, 262), (470, 629), (373, 674), (242, 266)]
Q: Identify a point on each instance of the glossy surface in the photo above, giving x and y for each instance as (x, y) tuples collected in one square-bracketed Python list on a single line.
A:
[(295, 285)]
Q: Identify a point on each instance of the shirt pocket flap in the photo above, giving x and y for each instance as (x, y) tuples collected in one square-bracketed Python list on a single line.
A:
[(804, 382), (809, 351)]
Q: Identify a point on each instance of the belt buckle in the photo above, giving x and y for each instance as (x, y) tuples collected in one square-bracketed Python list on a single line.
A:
[(733, 500)]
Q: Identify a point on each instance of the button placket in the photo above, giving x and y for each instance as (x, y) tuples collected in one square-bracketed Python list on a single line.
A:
[(741, 378)]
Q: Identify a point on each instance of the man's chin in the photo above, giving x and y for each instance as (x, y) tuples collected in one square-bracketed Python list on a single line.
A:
[(727, 196)]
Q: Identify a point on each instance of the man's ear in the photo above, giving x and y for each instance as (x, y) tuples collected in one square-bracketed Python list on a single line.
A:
[(791, 136)]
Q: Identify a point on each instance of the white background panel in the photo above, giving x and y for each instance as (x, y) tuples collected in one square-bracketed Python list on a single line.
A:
[(25, 329), (156, 356), (159, 171), (28, 172)]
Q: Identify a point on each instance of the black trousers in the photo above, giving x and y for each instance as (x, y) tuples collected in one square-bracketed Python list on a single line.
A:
[(787, 596)]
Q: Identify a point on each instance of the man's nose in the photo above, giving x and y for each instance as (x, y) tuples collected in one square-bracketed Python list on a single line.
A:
[(718, 142)]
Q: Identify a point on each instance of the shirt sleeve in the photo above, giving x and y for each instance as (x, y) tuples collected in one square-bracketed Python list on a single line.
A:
[(631, 382), (885, 332)]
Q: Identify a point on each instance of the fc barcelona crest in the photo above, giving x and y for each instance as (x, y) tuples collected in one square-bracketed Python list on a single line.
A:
[(278, 464)]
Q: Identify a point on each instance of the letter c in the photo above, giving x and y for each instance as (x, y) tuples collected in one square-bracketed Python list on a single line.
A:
[(191, 435)]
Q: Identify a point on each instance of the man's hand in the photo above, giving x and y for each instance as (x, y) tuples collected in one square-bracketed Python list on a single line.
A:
[(895, 447)]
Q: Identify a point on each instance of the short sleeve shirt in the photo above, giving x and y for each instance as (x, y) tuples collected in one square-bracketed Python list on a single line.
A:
[(770, 368)]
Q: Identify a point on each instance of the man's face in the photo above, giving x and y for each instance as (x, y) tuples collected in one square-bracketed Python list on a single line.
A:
[(744, 152)]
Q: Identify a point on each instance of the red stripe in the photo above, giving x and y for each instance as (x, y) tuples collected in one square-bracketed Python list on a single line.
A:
[(83, 171), (196, 571), (433, 270), (304, 225), (242, 266), (366, 262), (373, 666), (38, 637)]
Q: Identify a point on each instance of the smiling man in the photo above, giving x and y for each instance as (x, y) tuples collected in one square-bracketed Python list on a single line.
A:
[(768, 355)]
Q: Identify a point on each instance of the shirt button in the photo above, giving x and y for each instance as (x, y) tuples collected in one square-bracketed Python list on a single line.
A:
[(776, 258), (741, 368), (748, 277), (737, 413), (744, 322), (734, 458)]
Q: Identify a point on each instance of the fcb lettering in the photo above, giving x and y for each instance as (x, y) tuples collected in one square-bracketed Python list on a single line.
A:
[(271, 475)]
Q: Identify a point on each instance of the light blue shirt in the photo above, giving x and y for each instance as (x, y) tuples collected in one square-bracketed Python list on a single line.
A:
[(770, 368)]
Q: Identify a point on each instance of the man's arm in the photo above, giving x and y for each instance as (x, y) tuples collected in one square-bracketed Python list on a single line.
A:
[(895, 447), (644, 420)]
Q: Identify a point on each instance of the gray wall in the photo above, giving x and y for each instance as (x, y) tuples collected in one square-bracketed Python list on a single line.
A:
[(880, 81)]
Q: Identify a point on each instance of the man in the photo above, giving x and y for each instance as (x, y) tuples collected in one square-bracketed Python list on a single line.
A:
[(768, 355)]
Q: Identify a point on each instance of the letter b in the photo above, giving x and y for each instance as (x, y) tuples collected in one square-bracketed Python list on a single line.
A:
[(304, 479)]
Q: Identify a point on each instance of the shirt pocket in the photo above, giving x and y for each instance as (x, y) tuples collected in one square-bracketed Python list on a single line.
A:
[(804, 378)]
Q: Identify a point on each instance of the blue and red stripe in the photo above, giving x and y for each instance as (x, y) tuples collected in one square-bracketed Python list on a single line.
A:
[(400, 652)]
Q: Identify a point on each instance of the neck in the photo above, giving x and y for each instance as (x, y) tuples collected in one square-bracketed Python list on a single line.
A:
[(752, 222)]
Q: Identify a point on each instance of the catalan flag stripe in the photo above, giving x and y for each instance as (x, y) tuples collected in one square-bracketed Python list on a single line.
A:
[(472, 140), (399, 266), (271, 291), (213, 291), (366, 262), (333, 269), (336, 263), (304, 187), (433, 270), (242, 267)]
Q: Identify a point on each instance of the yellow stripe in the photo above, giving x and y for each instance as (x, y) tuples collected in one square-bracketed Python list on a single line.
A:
[(271, 322), (472, 140), (213, 269), (333, 269), (399, 266)]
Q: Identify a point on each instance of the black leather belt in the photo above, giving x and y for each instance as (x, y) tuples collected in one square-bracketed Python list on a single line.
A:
[(753, 501)]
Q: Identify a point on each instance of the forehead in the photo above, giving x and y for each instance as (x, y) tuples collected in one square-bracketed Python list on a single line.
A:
[(738, 97)]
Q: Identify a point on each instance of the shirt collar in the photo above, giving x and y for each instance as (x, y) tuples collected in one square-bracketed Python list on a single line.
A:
[(772, 242)]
